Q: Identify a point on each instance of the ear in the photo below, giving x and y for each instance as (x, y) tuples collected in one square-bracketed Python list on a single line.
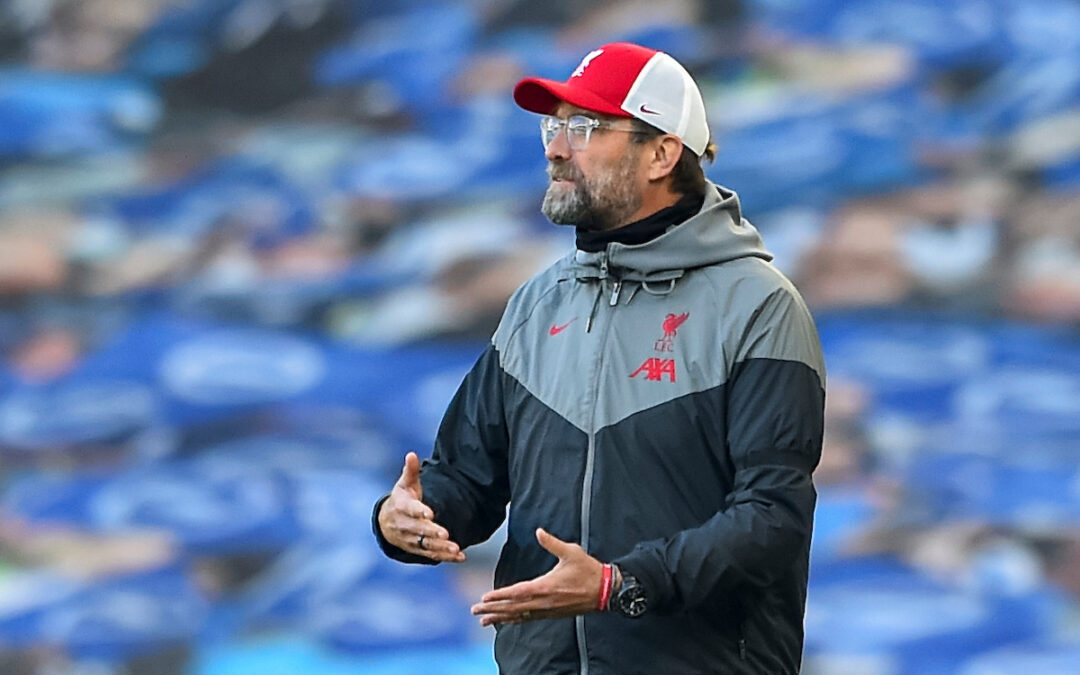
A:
[(665, 156)]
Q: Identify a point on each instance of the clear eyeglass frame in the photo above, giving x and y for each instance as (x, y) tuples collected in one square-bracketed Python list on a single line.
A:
[(579, 129)]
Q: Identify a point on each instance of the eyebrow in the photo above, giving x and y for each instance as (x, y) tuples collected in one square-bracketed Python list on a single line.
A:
[(566, 110)]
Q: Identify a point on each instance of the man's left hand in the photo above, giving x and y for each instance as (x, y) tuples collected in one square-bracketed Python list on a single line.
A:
[(572, 587)]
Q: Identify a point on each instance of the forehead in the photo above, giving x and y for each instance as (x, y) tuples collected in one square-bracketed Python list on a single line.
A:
[(565, 110)]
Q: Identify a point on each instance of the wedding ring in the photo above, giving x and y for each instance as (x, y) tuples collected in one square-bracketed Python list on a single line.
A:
[(420, 541)]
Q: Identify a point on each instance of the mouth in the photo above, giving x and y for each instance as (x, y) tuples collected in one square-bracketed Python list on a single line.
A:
[(560, 174)]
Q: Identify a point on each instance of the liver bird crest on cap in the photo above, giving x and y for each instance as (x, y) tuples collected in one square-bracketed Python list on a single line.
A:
[(580, 70)]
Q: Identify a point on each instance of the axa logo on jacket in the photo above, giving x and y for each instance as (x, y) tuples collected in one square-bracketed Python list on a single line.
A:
[(655, 369)]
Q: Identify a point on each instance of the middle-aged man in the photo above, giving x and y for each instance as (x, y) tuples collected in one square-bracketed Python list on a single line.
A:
[(650, 407)]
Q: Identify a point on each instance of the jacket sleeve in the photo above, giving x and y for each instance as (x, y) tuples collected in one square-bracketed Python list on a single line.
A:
[(774, 420), (465, 482)]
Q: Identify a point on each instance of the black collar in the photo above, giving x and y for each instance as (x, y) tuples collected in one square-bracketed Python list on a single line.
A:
[(641, 231)]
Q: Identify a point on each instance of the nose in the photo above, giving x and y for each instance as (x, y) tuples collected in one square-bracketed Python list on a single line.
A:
[(558, 148)]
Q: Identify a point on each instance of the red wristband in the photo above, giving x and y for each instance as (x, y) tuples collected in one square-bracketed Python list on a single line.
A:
[(605, 588)]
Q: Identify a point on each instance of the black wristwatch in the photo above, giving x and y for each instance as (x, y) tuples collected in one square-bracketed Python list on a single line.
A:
[(631, 600)]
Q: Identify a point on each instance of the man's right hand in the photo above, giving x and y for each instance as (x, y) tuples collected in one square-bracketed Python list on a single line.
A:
[(409, 523)]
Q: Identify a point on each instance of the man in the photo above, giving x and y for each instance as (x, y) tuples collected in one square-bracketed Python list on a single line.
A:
[(650, 407)]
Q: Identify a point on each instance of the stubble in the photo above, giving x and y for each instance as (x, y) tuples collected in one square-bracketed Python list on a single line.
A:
[(604, 201)]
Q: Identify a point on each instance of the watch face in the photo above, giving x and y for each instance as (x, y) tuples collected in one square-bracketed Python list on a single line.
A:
[(632, 600), (634, 605)]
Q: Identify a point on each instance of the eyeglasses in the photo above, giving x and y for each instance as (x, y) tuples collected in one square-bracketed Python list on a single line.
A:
[(579, 129)]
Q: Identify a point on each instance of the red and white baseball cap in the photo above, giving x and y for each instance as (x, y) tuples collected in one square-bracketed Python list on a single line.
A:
[(627, 80)]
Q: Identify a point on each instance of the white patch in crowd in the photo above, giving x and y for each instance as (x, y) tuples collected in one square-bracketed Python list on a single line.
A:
[(580, 70)]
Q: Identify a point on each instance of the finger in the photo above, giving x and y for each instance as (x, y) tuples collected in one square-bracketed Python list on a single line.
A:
[(435, 549), (487, 607), (523, 591), (410, 475), (418, 510), (442, 556), (520, 614), (436, 540), (444, 547), (552, 544), (415, 522), (508, 619)]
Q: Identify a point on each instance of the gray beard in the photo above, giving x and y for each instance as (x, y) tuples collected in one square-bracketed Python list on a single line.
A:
[(602, 202)]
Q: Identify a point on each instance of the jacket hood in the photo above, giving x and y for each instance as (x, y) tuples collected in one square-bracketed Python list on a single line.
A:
[(716, 234)]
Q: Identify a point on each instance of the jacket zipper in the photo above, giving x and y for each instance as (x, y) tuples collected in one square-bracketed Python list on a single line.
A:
[(586, 483), (742, 628), (599, 292)]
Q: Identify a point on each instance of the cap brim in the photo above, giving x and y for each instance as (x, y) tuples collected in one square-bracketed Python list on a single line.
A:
[(538, 95)]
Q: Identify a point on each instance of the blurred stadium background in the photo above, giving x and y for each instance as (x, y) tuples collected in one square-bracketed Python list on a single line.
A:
[(248, 248)]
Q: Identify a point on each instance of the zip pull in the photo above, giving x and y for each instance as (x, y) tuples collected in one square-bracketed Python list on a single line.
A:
[(615, 292), (595, 302), (599, 292)]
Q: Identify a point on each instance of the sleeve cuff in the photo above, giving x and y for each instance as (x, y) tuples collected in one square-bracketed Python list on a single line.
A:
[(637, 565)]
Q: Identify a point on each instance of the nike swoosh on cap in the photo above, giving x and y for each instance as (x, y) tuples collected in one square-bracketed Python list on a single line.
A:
[(647, 111)]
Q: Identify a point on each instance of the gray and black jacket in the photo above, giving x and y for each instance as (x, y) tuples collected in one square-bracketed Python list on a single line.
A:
[(660, 404)]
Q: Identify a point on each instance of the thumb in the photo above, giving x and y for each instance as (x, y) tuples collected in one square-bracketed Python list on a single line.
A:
[(410, 475), (552, 544)]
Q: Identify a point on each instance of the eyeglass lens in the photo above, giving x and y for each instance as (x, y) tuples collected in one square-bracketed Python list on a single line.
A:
[(578, 130)]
